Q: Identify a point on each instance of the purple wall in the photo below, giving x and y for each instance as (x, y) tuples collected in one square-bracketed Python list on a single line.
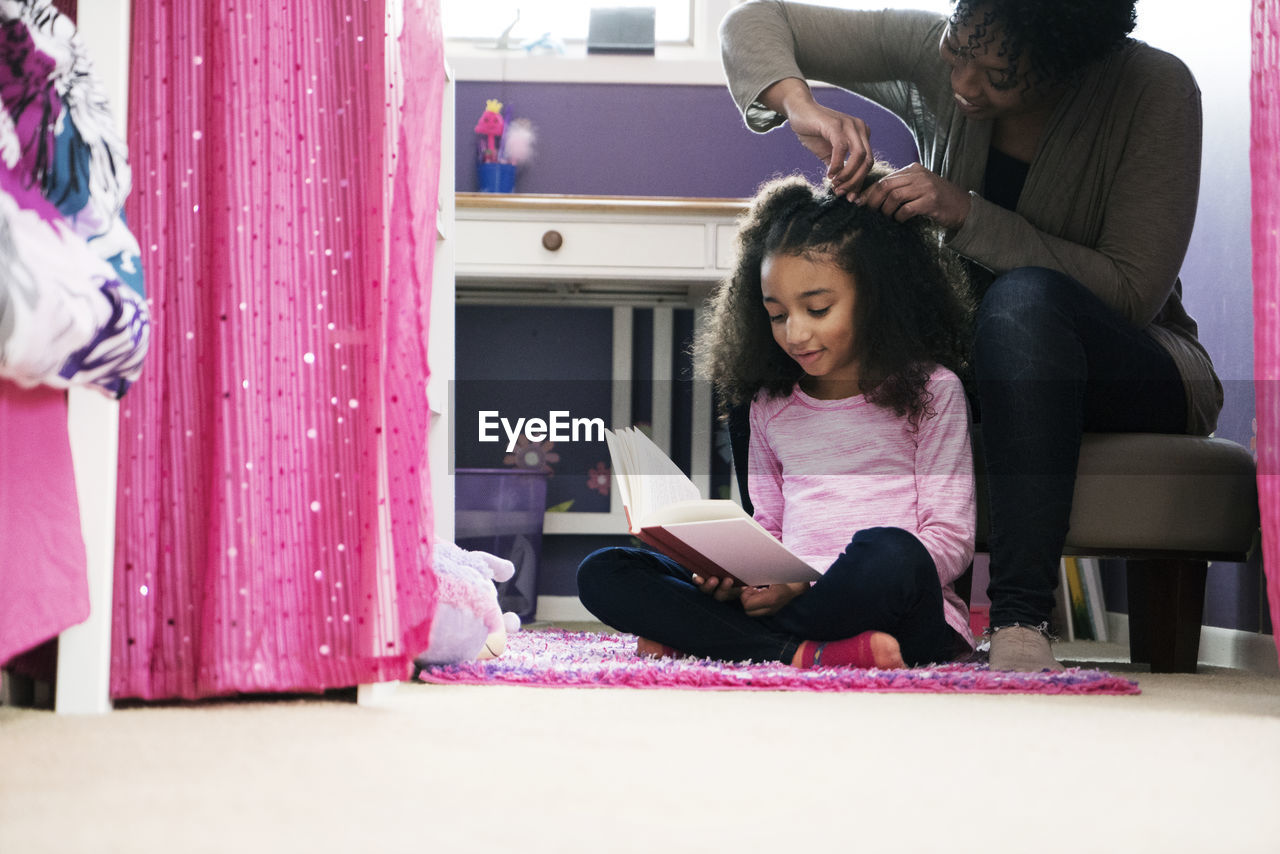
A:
[(645, 140)]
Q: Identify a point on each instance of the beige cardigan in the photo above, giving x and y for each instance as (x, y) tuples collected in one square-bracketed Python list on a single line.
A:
[(1111, 194)]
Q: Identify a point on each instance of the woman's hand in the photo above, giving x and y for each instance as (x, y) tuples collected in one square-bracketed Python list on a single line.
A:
[(722, 589), (915, 191), (763, 601), (840, 141)]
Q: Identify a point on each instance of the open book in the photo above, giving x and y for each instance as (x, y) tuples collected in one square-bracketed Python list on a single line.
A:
[(710, 537)]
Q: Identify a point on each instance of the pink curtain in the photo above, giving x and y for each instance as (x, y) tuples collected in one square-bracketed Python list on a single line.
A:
[(43, 569), (274, 517), (1265, 164)]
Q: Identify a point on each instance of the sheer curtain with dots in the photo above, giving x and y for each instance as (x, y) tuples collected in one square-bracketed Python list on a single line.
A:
[(273, 528)]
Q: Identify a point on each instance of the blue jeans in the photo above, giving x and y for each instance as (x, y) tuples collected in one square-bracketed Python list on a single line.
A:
[(1051, 361), (885, 580)]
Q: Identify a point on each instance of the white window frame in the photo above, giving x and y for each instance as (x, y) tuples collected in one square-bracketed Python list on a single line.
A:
[(671, 64), (528, 26), (695, 64)]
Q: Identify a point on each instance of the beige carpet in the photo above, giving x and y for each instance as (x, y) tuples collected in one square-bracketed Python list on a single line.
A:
[(1192, 764)]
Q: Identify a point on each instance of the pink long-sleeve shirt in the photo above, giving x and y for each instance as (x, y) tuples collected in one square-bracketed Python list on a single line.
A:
[(822, 470)]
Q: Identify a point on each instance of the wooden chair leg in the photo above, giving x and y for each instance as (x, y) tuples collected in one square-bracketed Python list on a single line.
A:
[(1166, 606)]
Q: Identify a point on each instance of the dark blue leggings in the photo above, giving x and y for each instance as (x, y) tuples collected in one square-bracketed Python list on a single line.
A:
[(1052, 361), (885, 580)]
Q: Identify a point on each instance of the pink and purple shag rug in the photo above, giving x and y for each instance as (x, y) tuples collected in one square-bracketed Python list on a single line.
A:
[(555, 658)]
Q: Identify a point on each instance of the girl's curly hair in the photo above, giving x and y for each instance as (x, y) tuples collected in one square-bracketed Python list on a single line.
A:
[(912, 309), (1057, 38)]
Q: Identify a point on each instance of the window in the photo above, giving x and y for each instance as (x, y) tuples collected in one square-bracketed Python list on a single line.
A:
[(942, 7), (565, 20), (687, 50)]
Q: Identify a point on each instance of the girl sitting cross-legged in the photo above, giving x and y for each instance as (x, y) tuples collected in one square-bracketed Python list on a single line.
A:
[(843, 330)]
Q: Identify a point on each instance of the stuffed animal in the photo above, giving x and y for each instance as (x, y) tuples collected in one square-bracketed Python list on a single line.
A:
[(468, 622)]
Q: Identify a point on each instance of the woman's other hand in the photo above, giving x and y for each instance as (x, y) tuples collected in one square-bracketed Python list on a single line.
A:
[(840, 141), (722, 589), (764, 601), (915, 191)]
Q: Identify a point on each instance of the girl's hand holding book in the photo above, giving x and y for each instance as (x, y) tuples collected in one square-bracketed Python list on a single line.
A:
[(723, 589)]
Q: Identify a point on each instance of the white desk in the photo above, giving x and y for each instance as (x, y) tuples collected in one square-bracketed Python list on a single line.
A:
[(623, 252)]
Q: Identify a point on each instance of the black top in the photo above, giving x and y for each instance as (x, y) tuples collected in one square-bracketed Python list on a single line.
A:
[(1004, 179)]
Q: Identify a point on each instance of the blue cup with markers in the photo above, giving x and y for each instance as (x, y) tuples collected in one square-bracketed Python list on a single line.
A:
[(496, 177)]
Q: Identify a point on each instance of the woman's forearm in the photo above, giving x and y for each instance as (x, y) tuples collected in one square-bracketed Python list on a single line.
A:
[(785, 95)]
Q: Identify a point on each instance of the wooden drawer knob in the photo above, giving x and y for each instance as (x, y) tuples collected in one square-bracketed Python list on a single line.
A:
[(552, 240)]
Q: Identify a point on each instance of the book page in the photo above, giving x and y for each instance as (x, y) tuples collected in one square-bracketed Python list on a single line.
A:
[(621, 465), (647, 478), (701, 510), (652, 492)]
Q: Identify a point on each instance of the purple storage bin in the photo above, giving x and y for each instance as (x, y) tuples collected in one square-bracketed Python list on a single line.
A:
[(499, 511)]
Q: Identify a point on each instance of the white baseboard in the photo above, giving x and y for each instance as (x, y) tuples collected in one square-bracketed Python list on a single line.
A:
[(563, 609), (1218, 647)]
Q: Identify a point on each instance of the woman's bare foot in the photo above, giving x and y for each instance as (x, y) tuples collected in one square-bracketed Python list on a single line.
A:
[(646, 648), (869, 649)]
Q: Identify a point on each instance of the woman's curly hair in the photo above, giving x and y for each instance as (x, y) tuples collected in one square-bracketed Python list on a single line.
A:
[(1057, 37), (912, 304)]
